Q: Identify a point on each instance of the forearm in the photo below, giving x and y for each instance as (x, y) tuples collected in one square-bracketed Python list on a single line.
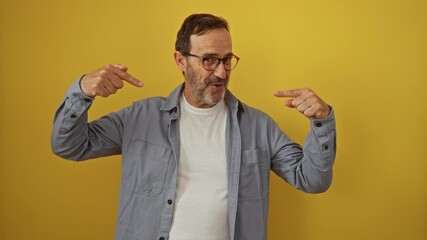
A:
[(76, 139), (315, 172), (310, 169)]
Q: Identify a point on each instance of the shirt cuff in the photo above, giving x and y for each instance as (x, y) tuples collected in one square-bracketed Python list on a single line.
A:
[(323, 126), (75, 91)]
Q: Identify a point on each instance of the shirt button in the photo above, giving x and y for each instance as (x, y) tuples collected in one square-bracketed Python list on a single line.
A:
[(319, 124), (161, 238), (73, 115), (326, 147), (170, 202)]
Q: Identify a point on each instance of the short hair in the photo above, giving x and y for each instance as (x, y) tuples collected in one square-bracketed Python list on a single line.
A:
[(197, 24)]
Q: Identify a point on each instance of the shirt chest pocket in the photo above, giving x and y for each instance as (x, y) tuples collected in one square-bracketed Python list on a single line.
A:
[(254, 174), (145, 168)]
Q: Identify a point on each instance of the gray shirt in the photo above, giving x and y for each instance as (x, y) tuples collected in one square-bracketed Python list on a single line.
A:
[(146, 134)]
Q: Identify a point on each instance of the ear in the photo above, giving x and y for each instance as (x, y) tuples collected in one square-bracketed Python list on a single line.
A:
[(180, 60)]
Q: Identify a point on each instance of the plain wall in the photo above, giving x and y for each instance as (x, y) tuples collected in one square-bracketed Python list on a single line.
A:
[(368, 59)]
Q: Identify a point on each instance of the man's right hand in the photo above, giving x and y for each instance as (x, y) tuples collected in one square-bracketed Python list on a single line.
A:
[(107, 80)]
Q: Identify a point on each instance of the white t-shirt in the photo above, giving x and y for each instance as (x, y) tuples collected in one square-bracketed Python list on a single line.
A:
[(201, 195)]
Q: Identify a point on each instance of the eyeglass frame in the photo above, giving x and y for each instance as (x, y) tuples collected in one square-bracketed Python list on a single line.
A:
[(219, 60)]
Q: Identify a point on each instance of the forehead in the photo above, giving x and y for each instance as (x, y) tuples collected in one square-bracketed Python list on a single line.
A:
[(215, 41)]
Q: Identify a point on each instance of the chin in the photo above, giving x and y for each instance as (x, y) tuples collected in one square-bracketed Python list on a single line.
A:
[(211, 100)]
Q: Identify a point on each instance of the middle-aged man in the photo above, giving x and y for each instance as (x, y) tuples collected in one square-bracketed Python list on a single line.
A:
[(196, 164)]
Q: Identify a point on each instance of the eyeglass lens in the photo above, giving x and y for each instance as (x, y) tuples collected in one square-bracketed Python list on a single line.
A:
[(212, 63)]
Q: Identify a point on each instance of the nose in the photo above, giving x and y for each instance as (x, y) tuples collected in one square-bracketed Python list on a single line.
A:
[(220, 71)]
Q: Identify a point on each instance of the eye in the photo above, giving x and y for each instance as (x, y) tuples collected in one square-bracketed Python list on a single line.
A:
[(227, 61), (210, 60)]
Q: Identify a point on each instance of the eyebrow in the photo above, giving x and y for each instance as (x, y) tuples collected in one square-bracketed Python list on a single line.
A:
[(216, 55)]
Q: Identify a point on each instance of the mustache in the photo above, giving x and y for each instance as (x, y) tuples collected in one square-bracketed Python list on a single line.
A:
[(216, 80)]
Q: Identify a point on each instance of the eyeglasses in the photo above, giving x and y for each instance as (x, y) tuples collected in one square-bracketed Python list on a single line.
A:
[(211, 63)]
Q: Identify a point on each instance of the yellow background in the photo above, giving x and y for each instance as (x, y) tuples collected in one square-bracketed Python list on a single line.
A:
[(366, 58)]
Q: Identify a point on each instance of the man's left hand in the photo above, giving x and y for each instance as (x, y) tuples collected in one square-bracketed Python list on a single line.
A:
[(306, 102)]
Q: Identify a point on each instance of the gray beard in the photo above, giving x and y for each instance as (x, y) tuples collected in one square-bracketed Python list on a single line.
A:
[(204, 96)]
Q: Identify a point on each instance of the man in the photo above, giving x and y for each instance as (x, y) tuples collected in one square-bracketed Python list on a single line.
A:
[(195, 165)]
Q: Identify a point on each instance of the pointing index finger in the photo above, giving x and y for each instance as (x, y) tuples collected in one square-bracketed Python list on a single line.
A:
[(122, 74), (289, 93)]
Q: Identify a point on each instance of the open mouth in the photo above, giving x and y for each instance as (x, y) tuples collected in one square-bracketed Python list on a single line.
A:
[(218, 86)]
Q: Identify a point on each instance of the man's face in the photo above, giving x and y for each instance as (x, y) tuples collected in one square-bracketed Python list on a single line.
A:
[(204, 88)]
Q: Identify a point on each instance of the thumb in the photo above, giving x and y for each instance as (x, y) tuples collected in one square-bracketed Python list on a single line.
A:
[(288, 103), (121, 67)]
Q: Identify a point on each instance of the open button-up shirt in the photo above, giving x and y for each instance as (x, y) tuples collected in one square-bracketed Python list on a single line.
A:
[(147, 136)]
